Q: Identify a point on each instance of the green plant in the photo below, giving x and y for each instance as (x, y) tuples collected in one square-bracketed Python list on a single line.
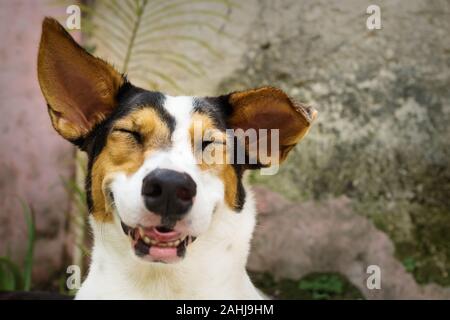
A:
[(11, 277), (410, 264), (79, 212), (323, 286), (78, 197), (314, 286)]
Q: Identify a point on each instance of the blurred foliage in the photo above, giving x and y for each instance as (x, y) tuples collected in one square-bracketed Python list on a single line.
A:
[(141, 36), (409, 264), (79, 215), (322, 286), (314, 286), (12, 276)]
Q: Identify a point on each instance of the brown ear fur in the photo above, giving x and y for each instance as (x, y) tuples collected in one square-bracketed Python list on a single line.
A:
[(80, 89), (271, 108)]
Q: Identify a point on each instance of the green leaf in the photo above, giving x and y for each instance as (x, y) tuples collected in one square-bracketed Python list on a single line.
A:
[(10, 275), (163, 54), (139, 12), (176, 5), (28, 264), (156, 73), (199, 13), (187, 24), (202, 43), (410, 264), (133, 33)]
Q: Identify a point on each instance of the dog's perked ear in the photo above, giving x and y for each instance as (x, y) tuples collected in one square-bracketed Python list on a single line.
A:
[(269, 108), (79, 88)]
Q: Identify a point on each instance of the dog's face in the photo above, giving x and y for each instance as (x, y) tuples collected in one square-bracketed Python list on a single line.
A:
[(144, 172)]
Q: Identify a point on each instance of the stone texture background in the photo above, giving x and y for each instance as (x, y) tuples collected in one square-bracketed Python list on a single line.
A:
[(382, 137), (295, 239), (369, 185)]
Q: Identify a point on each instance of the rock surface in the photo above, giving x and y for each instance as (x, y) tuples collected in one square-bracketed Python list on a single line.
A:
[(382, 137), (295, 239)]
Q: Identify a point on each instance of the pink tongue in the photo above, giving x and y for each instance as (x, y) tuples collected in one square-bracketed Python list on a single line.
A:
[(167, 253)]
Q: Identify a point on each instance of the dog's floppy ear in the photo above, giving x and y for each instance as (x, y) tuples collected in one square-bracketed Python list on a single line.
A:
[(270, 108), (79, 88)]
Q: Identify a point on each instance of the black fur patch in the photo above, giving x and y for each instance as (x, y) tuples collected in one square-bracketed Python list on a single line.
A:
[(212, 108), (141, 249)]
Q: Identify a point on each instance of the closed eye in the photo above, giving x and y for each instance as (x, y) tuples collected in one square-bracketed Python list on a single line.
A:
[(135, 134), (208, 142), (205, 144)]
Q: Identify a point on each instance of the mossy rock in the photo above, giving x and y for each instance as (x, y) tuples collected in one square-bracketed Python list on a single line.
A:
[(382, 135), (314, 286)]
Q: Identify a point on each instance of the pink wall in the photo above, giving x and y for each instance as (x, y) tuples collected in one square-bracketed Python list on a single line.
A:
[(33, 157)]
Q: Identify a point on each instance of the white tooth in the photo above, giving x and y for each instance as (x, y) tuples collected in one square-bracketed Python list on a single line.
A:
[(146, 239), (153, 241), (141, 232), (162, 244), (177, 243)]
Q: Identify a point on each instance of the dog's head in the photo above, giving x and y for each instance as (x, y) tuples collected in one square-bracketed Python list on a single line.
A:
[(144, 174)]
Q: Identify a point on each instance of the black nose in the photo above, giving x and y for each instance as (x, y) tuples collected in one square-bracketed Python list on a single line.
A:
[(168, 193)]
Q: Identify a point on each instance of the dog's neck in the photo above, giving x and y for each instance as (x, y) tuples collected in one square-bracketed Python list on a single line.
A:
[(214, 266)]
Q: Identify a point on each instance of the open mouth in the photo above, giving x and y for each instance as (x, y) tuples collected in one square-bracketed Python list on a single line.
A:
[(158, 244)]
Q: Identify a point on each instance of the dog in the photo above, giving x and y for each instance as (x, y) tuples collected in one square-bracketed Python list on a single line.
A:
[(165, 225)]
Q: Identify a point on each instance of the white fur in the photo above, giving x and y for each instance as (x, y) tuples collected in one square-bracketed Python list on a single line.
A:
[(214, 265)]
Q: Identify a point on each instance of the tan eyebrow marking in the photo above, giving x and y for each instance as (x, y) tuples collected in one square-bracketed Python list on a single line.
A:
[(224, 171)]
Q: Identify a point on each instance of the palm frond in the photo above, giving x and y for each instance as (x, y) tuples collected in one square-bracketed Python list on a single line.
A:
[(143, 37), (177, 37), (195, 66), (28, 263), (194, 13), (11, 277), (144, 71)]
